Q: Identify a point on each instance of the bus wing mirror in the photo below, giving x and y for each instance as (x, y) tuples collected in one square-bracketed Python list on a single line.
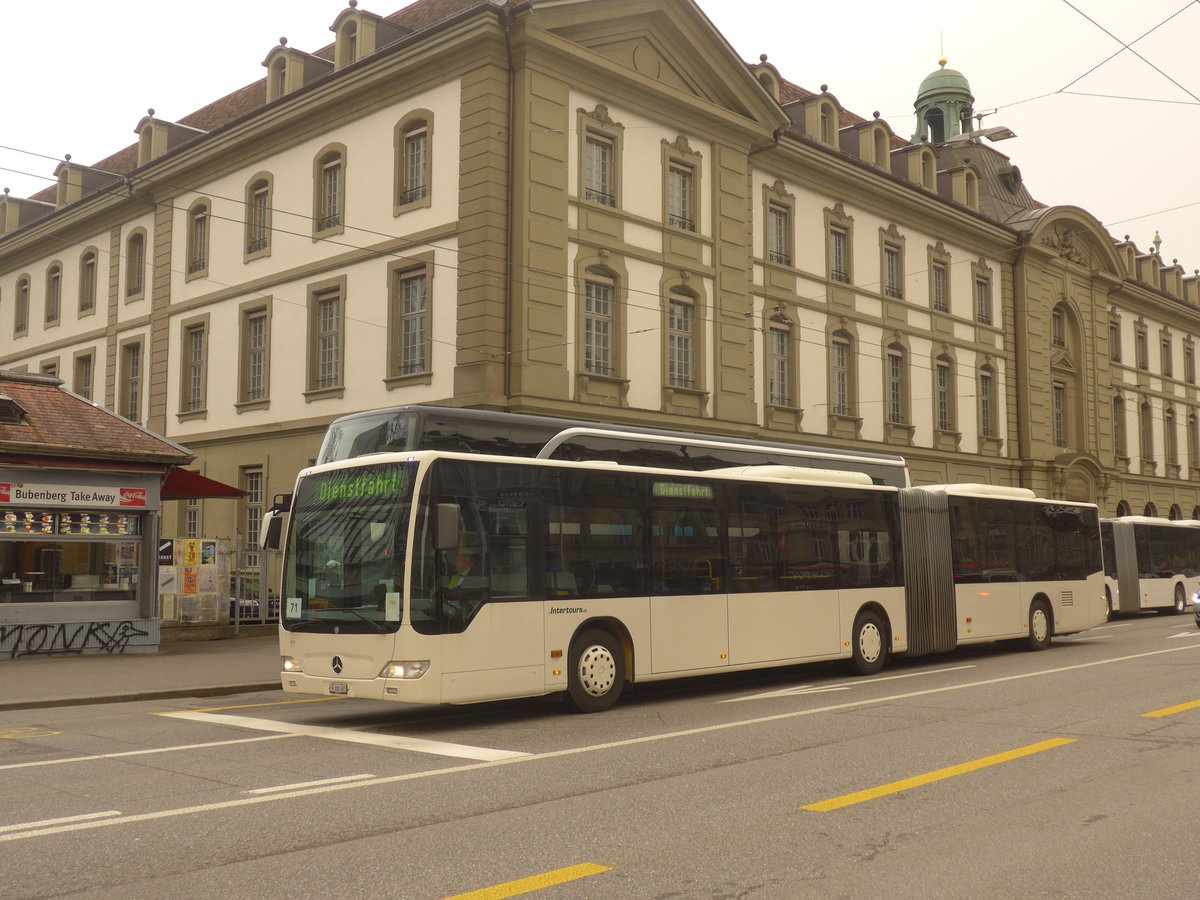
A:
[(272, 531), (447, 526)]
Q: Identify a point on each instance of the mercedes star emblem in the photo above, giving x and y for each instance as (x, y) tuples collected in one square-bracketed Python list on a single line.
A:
[(337, 665)]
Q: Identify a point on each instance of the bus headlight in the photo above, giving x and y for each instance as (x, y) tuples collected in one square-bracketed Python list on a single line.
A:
[(405, 668), (291, 665)]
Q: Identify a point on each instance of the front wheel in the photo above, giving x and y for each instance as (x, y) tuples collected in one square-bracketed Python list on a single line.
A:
[(870, 646), (1041, 626), (596, 671), (1180, 601)]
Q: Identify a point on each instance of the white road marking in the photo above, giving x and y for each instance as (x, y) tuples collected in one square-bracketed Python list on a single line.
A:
[(77, 759), (1185, 634), (810, 689), (45, 823), (419, 745), (308, 784), (559, 754)]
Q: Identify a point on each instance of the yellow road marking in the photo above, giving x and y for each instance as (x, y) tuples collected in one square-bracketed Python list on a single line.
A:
[(254, 705), (533, 883), (22, 732), (1171, 710), (917, 781)]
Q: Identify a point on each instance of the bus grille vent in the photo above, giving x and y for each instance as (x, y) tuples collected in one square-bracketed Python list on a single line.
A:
[(1067, 598)]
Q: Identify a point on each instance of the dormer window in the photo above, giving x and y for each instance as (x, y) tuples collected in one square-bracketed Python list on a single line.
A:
[(277, 78), (11, 412)]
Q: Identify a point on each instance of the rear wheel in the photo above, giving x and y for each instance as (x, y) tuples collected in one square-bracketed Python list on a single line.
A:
[(1180, 601), (870, 646), (596, 671), (1041, 625)]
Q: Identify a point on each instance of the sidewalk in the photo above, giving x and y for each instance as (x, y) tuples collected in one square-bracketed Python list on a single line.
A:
[(178, 669)]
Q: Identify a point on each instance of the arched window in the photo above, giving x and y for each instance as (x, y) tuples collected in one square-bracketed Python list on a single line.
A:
[(1150, 510), (21, 307), (87, 281), (135, 265), (414, 168), (197, 239), (1123, 509), (258, 217), (1175, 513), (329, 191), (53, 293)]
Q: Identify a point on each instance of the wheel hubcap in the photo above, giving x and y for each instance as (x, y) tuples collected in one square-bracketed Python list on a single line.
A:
[(597, 670), (1041, 626), (870, 643)]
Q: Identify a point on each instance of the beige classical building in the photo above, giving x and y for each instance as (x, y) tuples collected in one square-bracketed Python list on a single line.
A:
[(596, 209)]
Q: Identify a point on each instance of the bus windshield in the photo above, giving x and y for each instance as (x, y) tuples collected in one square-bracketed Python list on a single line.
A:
[(351, 436), (345, 555)]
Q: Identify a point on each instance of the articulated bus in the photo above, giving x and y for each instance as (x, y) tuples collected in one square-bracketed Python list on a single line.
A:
[(1150, 563), (431, 577), (402, 428)]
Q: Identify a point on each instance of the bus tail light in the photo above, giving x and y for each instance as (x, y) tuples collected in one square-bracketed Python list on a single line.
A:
[(405, 668), (291, 665)]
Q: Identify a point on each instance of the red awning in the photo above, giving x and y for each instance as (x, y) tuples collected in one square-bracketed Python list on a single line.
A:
[(184, 485)]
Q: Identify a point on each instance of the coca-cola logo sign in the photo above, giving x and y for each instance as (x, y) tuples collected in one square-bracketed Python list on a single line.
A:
[(133, 497)]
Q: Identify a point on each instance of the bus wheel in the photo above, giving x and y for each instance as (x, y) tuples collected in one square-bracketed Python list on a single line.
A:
[(1180, 601), (870, 647), (596, 673), (1108, 610), (1040, 625)]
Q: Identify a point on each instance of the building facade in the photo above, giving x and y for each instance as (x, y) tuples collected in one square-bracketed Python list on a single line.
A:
[(597, 210)]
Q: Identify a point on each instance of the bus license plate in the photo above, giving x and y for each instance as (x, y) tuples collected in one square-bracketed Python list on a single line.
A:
[(339, 689)]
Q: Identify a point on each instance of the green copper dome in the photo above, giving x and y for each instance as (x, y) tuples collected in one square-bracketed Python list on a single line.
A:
[(944, 83)]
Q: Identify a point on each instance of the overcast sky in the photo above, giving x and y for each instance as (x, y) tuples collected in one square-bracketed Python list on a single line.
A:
[(1117, 136)]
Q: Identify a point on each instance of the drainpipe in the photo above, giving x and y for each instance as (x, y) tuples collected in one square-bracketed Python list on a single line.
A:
[(506, 18)]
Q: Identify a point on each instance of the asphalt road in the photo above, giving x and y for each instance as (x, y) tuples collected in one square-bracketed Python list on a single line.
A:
[(989, 772)]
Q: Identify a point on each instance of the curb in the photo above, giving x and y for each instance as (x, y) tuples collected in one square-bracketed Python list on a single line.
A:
[(132, 696)]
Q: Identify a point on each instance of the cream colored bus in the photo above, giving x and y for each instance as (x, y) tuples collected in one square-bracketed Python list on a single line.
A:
[(431, 577)]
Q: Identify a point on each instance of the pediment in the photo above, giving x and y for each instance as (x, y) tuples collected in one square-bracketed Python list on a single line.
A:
[(665, 42), (1062, 361)]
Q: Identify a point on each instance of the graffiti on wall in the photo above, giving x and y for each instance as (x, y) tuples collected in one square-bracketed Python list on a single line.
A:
[(68, 637)]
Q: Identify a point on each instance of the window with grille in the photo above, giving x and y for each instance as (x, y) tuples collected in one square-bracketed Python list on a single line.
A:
[(779, 235), (599, 157), (329, 340), (87, 282), (680, 322), (940, 296), (194, 348), (254, 355), (597, 323), (412, 290), (983, 301), (252, 511), (840, 356), (329, 207), (680, 213), (53, 294), (1059, 411), (198, 240), (131, 382), (83, 376), (135, 264), (987, 402), (258, 220), (779, 363), (893, 273), (943, 388), (895, 386), (415, 164), (839, 257), (21, 307)]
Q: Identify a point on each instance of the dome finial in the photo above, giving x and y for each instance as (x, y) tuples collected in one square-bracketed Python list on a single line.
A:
[(942, 62)]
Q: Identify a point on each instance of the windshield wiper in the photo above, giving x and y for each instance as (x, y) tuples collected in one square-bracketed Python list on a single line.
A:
[(374, 622)]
